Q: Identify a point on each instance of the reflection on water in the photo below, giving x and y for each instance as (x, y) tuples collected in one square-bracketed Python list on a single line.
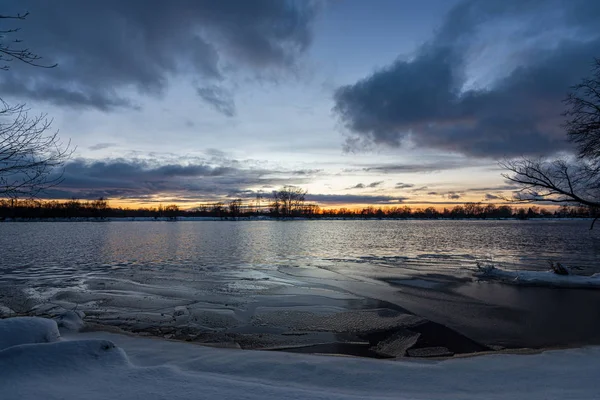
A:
[(60, 251)]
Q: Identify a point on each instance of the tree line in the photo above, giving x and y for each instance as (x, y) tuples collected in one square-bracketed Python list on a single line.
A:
[(237, 208)]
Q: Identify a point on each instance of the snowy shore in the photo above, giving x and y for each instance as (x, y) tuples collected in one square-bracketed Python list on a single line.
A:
[(36, 362)]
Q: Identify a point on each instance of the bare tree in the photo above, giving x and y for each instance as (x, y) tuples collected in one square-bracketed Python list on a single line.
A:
[(29, 154), (218, 209), (290, 200), (99, 207), (235, 207), (171, 211), (583, 116), (574, 181), (555, 181)]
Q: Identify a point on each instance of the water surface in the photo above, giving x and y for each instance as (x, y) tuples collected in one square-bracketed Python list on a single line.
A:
[(277, 278)]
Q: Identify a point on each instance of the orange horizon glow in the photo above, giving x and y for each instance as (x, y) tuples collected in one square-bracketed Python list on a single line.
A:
[(129, 204)]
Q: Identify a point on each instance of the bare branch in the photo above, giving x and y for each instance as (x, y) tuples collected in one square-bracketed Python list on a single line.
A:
[(11, 50), (583, 115), (31, 158)]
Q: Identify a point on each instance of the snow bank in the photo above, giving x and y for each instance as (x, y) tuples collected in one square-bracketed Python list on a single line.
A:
[(25, 330), (60, 358), (71, 320), (93, 366), (542, 278)]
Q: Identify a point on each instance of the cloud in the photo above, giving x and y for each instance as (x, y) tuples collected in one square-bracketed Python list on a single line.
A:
[(358, 186), (375, 184), (401, 185), (533, 50), (139, 179), (494, 188), (219, 98), (371, 185), (353, 199), (417, 168), (102, 146), (109, 50), (307, 172), (452, 195), (489, 196)]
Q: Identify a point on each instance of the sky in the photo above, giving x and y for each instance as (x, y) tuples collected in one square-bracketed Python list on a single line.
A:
[(383, 102)]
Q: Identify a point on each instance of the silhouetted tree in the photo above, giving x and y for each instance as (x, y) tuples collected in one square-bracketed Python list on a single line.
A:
[(564, 181), (583, 116), (171, 211), (72, 207), (505, 212), (99, 207), (218, 209), (430, 212), (289, 199), (28, 154), (259, 200), (235, 207)]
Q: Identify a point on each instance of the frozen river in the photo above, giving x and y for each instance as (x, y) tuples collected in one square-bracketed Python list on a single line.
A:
[(279, 283)]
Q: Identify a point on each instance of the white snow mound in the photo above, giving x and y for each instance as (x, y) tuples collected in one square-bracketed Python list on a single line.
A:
[(24, 330), (71, 320), (64, 357), (89, 366)]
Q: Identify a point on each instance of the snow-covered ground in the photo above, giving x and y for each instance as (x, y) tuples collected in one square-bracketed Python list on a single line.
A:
[(542, 278), (36, 363)]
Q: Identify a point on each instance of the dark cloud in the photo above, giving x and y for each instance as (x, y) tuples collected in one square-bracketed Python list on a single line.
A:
[(433, 193), (493, 188), (401, 185), (219, 98), (443, 202), (102, 146), (371, 185), (358, 186), (307, 172), (416, 168), (375, 184), (202, 180), (136, 179), (489, 196), (452, 195), (108, 50), (353, 199), (428, 101)]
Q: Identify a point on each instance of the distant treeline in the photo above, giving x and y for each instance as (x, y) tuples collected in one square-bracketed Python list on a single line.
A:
[(100, 209)]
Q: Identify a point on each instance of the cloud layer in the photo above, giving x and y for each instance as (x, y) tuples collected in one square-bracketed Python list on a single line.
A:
[(202, 180), (143, 180), (108, 50), (534, 51)]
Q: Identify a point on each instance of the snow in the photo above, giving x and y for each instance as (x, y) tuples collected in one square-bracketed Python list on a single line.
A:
[(25, 330), (71, 320), (542, 278), (97, 365)]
